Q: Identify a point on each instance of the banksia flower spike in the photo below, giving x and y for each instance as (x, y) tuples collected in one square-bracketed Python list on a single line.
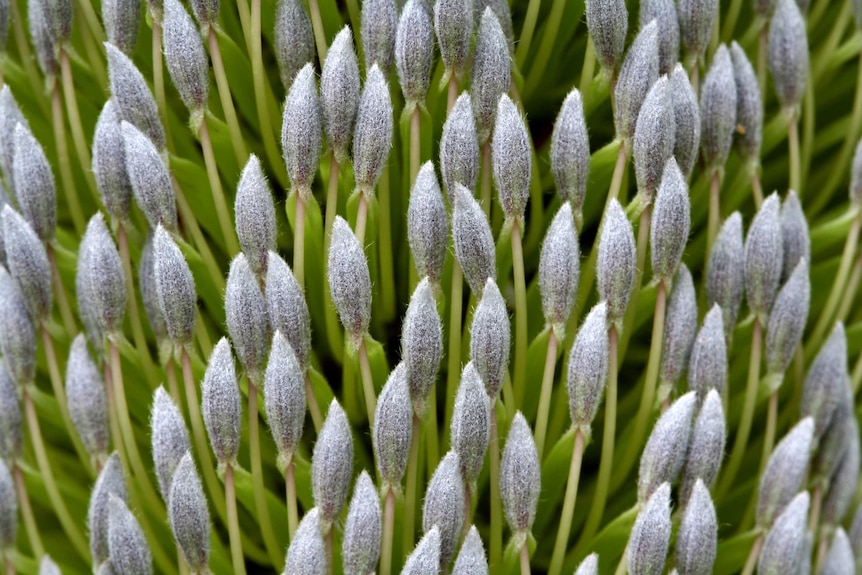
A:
[(671, 220), (822, 392), (109, 163), (637, 75), (471, 425), (444, 506), (339, 94), (110, 482), (559, 270), (706, 446), (373, 135), (332, 465), (748, 134), (428, 223), (570, 153), (459, 148), (122, 19), (284, 398), (301, 128), (474, 243), (787, 321), (307, 554), (170, 439), (490, 334), (615, 268), (707, 367), (288, 312), (453, 24), (686, 115), (725, 271), (11, 431), (718, 110), (510, 149), (247, 319), (414, 51), (785, 542), (763, 258), (362, 531), (100, 282), (653, 139), (664, 13), (520, 479), (785, 472), (695, 26), (425, 558), (349, 281), (175, 288), (186, 59), (221, 404), (85, 393), (664, 455), (588, 369), (421, 345), (796, 245), (132, 97), (151, 182), (17, 333), (393, 431), (680, 327), (697, 538), (788, 53), (378, 27), (128, 548), (650, 536), (188, 515), (490, 76), (9, 510), (33, 184), (293, 41), (255, 216), (607, 22), (27, 261), (471, 559)]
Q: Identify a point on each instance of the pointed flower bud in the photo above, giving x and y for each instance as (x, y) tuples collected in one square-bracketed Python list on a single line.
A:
[(425, 558), (332, 465), (453, 23), (349, 281), (307, 553), (10, 116), (301, 132), (570, 152), (109, 163), (459, 148), (421, 344), (664, 13), (718, 110), (287, 309), (175, 287), (822, 391), (11, 436), (665, 451), (444, 506), (122, 19), (393, 428), (842, 485), (8, 509), (835, 441), (637, 75), (27, 261), (339, 94), (372, 138), (471, 559), (653, 138), (695, 25), (787, 55), (33, 184), (510, 150), (763, 258), (293, 43), (856, 532), (188, 514), (284, 398), (686, 114), (17, 333), (185, 58), (796, 244), (379, 23), (85, 392), (615, 268), (559, 268), (471, 424), (474, 243), (247, 320), (503, 13), (707, 368), (520, 477), (414, 51), (363, 529), (589, 566), (48, 567), (151, 182), (680, 327), (206, 13), (100, 281), (784, 546), (4, 26), (490, 336), (725, 271), (607, 22), (44, 41), (650, 535), (490, 76), (111, 481), (787, 320), (170, 439), (671, 221), (748, 134), (840, 557), (428, 223), (588, 368), (128, 548), (697, 539), (132, 97), (785, 472), (221, 403), (706, 446), (255, 216)]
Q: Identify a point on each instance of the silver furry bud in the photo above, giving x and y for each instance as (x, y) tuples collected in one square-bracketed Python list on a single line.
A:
[(128, 548), (379, 22), (842, 485), (428, 223), (607, 23), (520, 477), (27, 261), (654, 138), (100, 281), (170, 439), (175, 288), (748, 134), (822, 390), (372, 137), (10, 116), (664, 13), (785, 545), (796, 244), (725, 271), (490, 76), (490, 336), (301, 128), (247, 320), (151, 182), (188, 514), (695, 25), (255, 216), (615, 267), (307, 553), (284, 398), (785, 471), (474, 242), (671, 221), (453, 23), (111, 481), (459, 147), (680, 327), (122, 19), (686, 114), (8, 509), (637, 75), (787, 320), (839, 560), (559, 270), (392, 430), (471, 559), (570, 152), (48, 567), (589, 566), (44, 43), (349, 281), (787, 55), (339, 94), (588, 368), (288, 312), (17, 333), (471, 424), (206, 13), (764, 258), (363, 529), (707, 367), (332, 465), (11, 428), (85, 394), (414, 51), (511, 159), (718, 110), (109, 163), (425, 557), (221, 403), (444, 506), (33, 184), (293, 40), (421, 344), (185, 58), (697, 539), (132, 97), (664, 455), (706, 446), (650, 535)]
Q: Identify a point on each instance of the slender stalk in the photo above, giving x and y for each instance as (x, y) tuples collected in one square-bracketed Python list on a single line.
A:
[(182, 566), (388, 528), (415, 143), (714, 209), (468, 513), (525, 558), (313, 407), (332, 327), (60, 292), (588, 69), (568, 505), (317, 26), (730, 20), (694, 76), (159, 77), (224, 218), (7, 560), (299, 241), (850, 292), (549, 38), (361, 218), (266, 126), (753, 556), (203, 248), (72, 531), (856, 376), (290, 495), (237, 557), (68, 181), (452, 95), (520, 370), (410, 493), (173, 387), (134, 314), (30, 526), (80, 142), (496, 543), (769, 433), (619, 172), (432, 440), (793, 148), (453, 369), (225, 97), (822, 547), (756, 188), (485, 197), (762, 51), (385, 252), (327, 541), (367, 383), (526, 38), (545, 393), (25, 57)]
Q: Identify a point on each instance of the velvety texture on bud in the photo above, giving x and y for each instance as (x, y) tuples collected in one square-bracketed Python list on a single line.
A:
[(48, 567), (185, 57), (588, 368), (293, 41), (665, 451), (459, 148), (570, 152), (706, 446), (100, 281), (785, 471), (822, 390), (44, 42), (379, 21), (421, 344), (664, 13), (247, 320), (188, 514), (11, 435), (10, 116), (425, 558), (33, 184), (393, 428), (414, 51), (686, 115), (27, 261), (615, 267), (842, 485), (490, 336), (8, 509), (839, 560), (307, 553), (796, 244), (748, 134), (559, 269), (221, 403), (255, 216), (697, 539), (284, 398), (725, 271), (856, 532), (490, 76), (111, 481), (175, 287), (332, 465), (637, 75), (836, 440), (206, 13), (288, 312), (109, 163), (339, 94), (4, 25), (785, 542), (511, 159), (471, 424), (151, 182), (428, 223), (170, 439), (520, 477), (128, 548), (474, 242), (653, 138), (132, 97), (122, 19), (85, 393), (17, 333), (787, 320), (608, 22), (503, 13), (680, 327), (707, 367), (787, 55), (363, 529), (671, 221), (453, 23), (763, 258), (301, 128), (444, 506), (695, 25), (718, 110), (372, 138), (650, 535), (349, 280), (4, 201), (471, 558)]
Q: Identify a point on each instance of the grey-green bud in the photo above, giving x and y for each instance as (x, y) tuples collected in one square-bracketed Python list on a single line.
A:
[(796, 244), (787, 320), (784, 546), (307, 553), (255, 216), (288, 312), (372, 137), (490, 335), (122, 19), (607, 23), (671, 221), (718, 110), (332, 465), (392, 430), (471, 424), (363, 529), (301, 129), (570, 152), (664, 13), (654, 139), (27, 261), (474, 242), (185, 58), (188, 514), (175, 288), (132, 97), (151, 182), (11, 428), (839, 560), (471, 559), (650, 536), (665, 452), (725, 271), (615, 267), (680, 327), (10, 116), (785, 471), (559, 269), (284, 398), (588, 368), (822, 390), (764, 258), (637, 75), (111, 481), (109, 163), (8, 509), (221, 403), (842, 485), (787, 54), (48, 567), (459, 147), (511, 159), (414, 51), (421, 344), (339, 94), (503, 13), (206, 13), (695, 25), (425, 557), (428, 222), (45, 46), (706, 446), (33, 184), (490, 76), (748, 134), (520, 477), (379, 23), (293, 41), (100, 281), (686, 115), (707, 368), (453, 23), (697, 539), (247, 320), (85, 393), (444, 506), (17, 333), (349, 281), (170, 439), (128, 548)]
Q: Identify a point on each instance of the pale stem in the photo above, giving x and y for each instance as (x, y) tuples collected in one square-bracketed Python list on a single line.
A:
[(856, 377), (545, 393), (762, 51), (159, 78), (769, 434), (453, 369), (30, 526), (237, 557), (714, 210), (327, 541), (525, 558), (290, 495), (361, 218), (223, 87), (568, 505), (332, 328), (730, 20), (520, 371), (756, 188), (619, 172), (313, 407), (410, 493), (753, 555), (266, 126), (850, 292), (134, 314), (60, 292), (453, 92), (415, 143), (173, 386), (367, 383), (80, 142), (432, 445), (299, 241), (588, 69), (70, 190), (224, 218), (496, 544), (816, 503), (385, 250), (317, 26), (10, 567), (793, 149), (622, 566), (388, 528), (694, 76)]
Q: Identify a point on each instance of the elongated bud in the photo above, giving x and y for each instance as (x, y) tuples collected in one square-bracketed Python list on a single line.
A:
[(4, 26), (4, 201), (856, 532), (588, 368), (490, 76), (471, 558), (48, 567), (784, 546), (444, 506), (332, 465), (840, 557), (293, 42), (559, 269), (520, 477), (100, 281), (680, 327), (664, 13), (671, 221), (44, 44), (725, 271), (474, 243), (510, 150), (763, 258), (170, 439), (637, 75), (471, 424), (653, 138), (175, 287), (842, 485), (221, 403), (301, 131), (707, 368), (132, 97), (151, 182), (17, 333), (503, 13), (421, 344), (255, 216), (686, 114), (188, 514), (570, 152), (459, 147), (695, 25), (110, 482), (615, 268), (373, 136), (607, 22), (284, 398), (8, 509), (10, 116), (109, 163), (414, 51), (122, 19), (186, 59), (85, 392), (796, 244), (379, 23), (589, 566), (11, 435), (34, 184), (822, 390), (393, 428), (665, 451), (128, 548), (425, 557), (836, 440), (363, 529), (718, 110), (785, 472), (787, 320), (307, 553), (247, 319), (748, 134), (706, 446), (27, 261), (349, 281), (650, 536), (697, 539), (428, 223), (206, 13), (453, 23), (339, 94), (763, 8), (787, 55), (287, 309), (490, 335)]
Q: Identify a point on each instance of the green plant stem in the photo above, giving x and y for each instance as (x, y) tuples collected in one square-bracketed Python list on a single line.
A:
[(93, 36), (319, 34), (410, 494), (741, 442), (388, 529), (332, 326), (850, 140), (617, 177), (224, 218), (290, 496), (385, 252), (25, 57), (266, 126), (367, 383), (485, 197), (856, 376), (549, 38), (793, 148), (694, 75), (30, 526), (730, 20), (70, 190), (753, 555), (568, 505), (545, 393), (72, 531), (432, 441), (714, 210), (134, 314), (299, 240), (313, 407), (762, 51), (173, 388), (850, 292), (631, 308), (496, 537), (526, 37), (159, 77), (327, 542), (7, 559), (60, 292), (182, 566), (415, 143), (756, 188), (80, 142), (588, 68), (769, 433), (525, 558), (520, 371), (223, 87), (361, 218), (237, 557), (453, 369), (197, 236), (452, 95)]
